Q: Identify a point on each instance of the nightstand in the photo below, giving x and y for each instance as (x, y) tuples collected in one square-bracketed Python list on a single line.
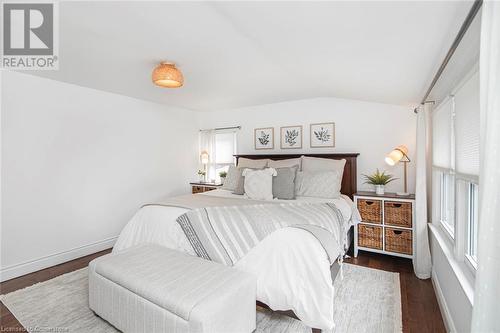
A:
[(386, 224), (200, 187)]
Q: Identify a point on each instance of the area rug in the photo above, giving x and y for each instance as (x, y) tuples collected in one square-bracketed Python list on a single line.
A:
[(366, 300)]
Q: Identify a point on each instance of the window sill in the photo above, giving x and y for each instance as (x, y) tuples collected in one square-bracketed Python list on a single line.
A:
[(460, 269), (447, 232)]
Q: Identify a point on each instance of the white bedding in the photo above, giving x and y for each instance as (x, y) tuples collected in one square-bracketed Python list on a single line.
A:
[(291, 266)]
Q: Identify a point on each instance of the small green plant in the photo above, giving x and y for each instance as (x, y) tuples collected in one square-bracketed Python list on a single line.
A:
[(222, 174), (201, 172), (379, 178)]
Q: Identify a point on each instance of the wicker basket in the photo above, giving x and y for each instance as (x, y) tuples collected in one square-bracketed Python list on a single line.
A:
[(370, 210), (398, 240), (398, 213), (370, 236), (197, 189)]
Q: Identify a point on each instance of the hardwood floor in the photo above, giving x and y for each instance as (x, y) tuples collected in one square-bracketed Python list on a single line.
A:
[(8, 323), (419, 305)]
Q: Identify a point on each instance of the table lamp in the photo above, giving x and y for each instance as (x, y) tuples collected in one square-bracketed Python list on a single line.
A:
[(400, 154), (205, 158)]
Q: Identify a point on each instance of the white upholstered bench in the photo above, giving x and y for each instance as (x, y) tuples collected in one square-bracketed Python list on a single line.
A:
[(154, 289)]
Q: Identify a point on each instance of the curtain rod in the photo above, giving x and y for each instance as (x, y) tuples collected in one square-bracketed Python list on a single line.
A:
[(415, 110), (463, 29), (220, 128)]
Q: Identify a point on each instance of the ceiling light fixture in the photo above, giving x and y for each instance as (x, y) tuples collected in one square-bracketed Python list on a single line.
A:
[(166, 75)]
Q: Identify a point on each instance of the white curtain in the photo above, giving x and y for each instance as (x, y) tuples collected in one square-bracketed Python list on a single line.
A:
[(422, 256), (207, 143), (486, 311)]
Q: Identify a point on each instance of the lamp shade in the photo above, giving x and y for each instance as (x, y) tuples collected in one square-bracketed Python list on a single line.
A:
[(204, 157), (396, 155), (167, 75)]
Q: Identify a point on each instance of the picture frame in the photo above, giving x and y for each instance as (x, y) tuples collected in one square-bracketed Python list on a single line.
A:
[(263, 138), (322, 135), (291, 137)]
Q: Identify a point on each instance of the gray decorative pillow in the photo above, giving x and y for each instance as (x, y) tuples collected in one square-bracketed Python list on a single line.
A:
[(232, 178), (240, 184), (319, 184), (284, 183)]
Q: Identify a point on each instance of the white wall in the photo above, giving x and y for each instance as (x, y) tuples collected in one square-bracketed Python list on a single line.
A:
[(371, 129), (452, 287), (77, 163)]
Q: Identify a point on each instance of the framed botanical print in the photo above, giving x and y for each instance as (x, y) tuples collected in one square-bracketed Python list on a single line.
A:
[(291, 137), (264, 138), (322, 135)]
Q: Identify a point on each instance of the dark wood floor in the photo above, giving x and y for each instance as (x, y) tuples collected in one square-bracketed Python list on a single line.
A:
[(8, 323), (419, 305), (418, 301)]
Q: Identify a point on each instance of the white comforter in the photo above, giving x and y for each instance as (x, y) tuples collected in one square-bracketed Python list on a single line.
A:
[(291, 266)]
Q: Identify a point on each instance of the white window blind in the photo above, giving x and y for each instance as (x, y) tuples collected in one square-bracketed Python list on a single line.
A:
[(225, 147), (441, 135), (467, 127)]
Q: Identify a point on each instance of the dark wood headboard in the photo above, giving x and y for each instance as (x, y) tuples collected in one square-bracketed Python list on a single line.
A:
[(349, 179)]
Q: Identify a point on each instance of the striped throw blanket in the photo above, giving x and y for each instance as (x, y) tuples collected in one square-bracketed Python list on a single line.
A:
[(225, 234)]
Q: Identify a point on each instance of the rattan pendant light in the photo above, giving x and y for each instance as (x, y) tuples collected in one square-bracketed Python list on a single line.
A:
[(167, 75)]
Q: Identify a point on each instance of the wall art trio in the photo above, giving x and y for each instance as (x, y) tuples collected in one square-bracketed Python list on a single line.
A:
[(322, 135)]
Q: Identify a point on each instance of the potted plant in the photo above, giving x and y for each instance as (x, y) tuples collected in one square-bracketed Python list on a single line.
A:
[(379, 180), (222, 175), (201, 174)]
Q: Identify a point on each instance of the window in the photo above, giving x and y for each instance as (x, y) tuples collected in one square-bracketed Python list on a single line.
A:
[(220, 145), (472, 223), (443, 164), (467, 164), (446, 202), (455, 164), (225, 148)]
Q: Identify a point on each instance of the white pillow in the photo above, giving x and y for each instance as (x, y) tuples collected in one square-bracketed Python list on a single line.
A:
[(316, 164), (325, 184), (259, 183), (254, 164), (288, 163)]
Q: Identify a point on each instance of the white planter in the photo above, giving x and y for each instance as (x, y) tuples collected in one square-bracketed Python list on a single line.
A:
[(380, 189), (222, 180)]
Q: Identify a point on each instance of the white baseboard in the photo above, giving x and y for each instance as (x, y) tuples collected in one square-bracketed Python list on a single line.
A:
[(448, 320), (13, 271)]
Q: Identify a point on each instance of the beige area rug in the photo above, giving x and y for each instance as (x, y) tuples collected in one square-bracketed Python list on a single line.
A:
[(366, 300)]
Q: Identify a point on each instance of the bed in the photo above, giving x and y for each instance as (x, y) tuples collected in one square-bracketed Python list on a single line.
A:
[(293, 271)]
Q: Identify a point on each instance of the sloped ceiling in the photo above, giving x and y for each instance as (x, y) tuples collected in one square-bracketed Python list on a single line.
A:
[(236, 54)]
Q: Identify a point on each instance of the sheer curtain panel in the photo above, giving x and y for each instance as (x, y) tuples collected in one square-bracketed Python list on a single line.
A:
[(486, 313), (207, 143), (422, 261)]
